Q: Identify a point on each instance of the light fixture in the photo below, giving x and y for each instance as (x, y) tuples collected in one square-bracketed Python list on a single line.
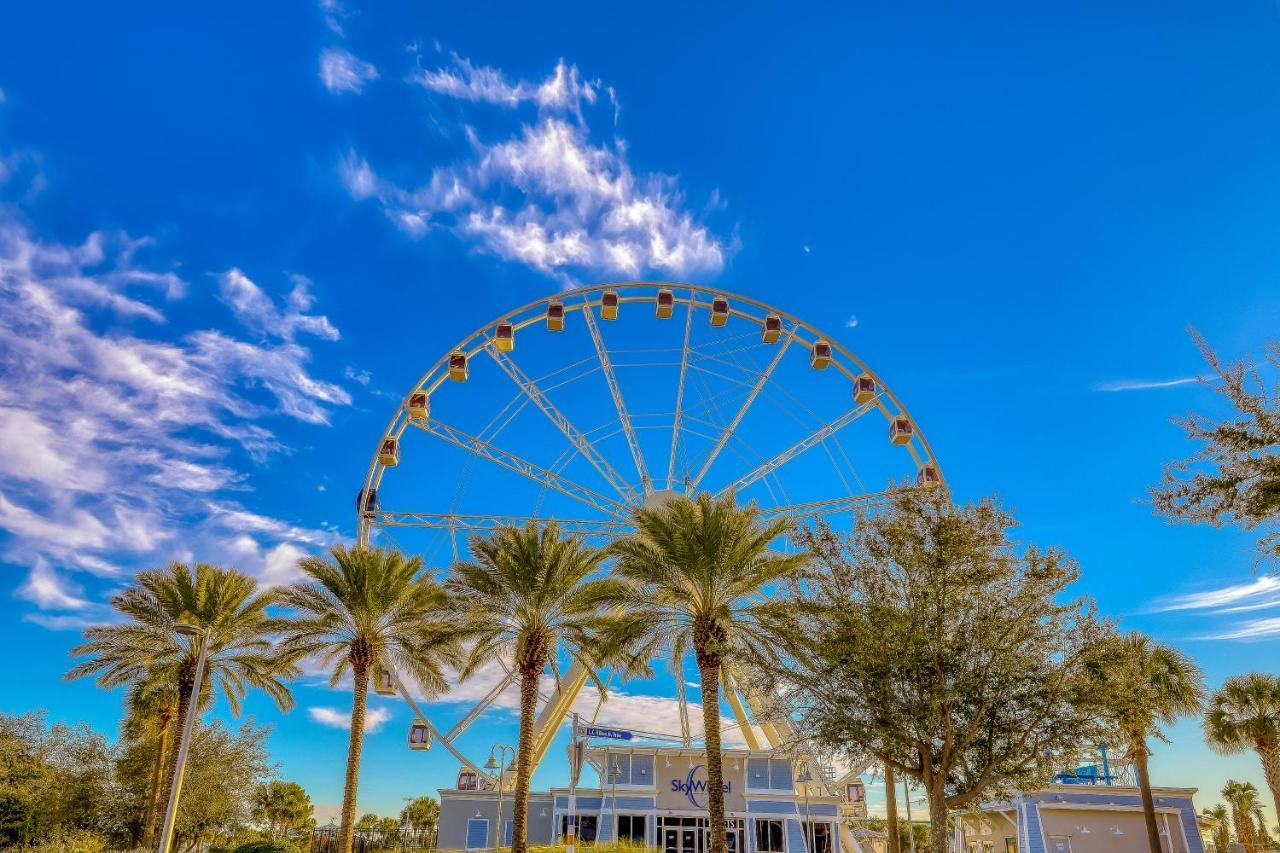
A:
[(477, 813), (186, 629), (491, 764), (512, 765), (1084, 830), (543, 813), (1115, 830)]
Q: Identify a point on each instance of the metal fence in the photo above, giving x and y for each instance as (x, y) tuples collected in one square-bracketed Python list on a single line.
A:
[(328, 840)]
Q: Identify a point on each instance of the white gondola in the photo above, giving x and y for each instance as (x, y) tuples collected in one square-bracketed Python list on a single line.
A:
[(609, 305), (367, 501), (555, 316), (900, 431), (384, 683), (864, 389), (771, 330), (419, 736), (389, 453), (820, 355), (419, 405), (505, 337), (719, 311), (458, 370), (666, 303), (467, 780)]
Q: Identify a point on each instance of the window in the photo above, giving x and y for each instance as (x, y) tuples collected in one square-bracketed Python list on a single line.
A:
[(586, 827), (506, 832), (769, 838), (821, 837), (631, 827), (769, 774), (618, 769), (477, 833)]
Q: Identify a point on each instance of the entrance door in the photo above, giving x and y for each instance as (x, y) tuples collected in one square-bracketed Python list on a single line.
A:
[(671, 841), (689, 839), (1059, 844)]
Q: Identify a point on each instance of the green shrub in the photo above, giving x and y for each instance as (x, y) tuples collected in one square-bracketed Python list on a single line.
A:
[(267, 846)]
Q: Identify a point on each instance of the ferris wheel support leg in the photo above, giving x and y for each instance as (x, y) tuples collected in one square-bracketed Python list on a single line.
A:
[(555, 711), (739, 713)]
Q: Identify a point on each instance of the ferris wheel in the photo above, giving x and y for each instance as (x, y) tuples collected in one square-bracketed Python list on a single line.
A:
[(619, 396)]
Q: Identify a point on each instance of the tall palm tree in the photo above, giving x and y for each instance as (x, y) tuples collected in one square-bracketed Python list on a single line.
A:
[(1242, 796), (365, 608), (150, 706), (1141, 685), (1244, 713), (225, 604), (1221, 819), (528, 596), (690, 573)]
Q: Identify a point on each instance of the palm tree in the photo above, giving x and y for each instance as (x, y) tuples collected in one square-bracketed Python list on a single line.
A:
[(1143, 684), (528, 595), (1242, 797), (690, 572), (150, 707), (1221, 819), (365, 608), (224, 604), (1245, 714)]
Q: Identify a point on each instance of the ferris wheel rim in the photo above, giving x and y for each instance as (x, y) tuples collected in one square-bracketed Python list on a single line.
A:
[(399, 420)]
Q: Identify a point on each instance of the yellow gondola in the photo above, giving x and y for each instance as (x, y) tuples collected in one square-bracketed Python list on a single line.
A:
[(820, 355), (900, 431), (383, 682), (772, 329), (505, 337), (555, 316), (458, 366), (419, 736), (609, 305), (666, 303), (928, 475), (389, 453), (719, 311), (864, 389), (419, 405)]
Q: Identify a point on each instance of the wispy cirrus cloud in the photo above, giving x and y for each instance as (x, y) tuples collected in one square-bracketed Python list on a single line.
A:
[(341, 71), (1253, 629), (546, 195), (1144, 384), (1227, 603)]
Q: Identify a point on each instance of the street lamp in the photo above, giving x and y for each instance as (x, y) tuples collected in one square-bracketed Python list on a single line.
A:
[(502, 767), (197, 635), (615, 773)]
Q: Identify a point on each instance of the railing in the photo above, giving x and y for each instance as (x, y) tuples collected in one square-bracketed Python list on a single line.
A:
[(328, 840)]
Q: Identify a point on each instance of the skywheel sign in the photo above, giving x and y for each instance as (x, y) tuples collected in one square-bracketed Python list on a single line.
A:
[(608, 734)]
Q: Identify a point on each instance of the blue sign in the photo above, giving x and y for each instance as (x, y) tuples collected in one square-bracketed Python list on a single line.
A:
[(612, 734), (691, 787)]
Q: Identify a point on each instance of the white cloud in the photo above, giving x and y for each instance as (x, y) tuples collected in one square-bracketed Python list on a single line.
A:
[(1254, 629), (48, 591), (341, 71), (852, 322), (116, 431), (546, 195), (361, 376), (334, 13), (1143, 385), (1262, 590), (374, 718)]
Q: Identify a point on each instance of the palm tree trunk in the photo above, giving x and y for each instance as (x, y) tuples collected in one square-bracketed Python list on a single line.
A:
[(157, 785), (1244, 828), (1148, 804), (710, 674), (187, 688), (891, 810), (354, 746), (1269, 752), (524, 761)]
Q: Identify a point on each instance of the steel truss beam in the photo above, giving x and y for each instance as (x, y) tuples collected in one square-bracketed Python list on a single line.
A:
[(522, 466), (828, 507), (462, 725), (483, 523), (813, 439), (562, 423), (675, 425), (730, 427), (607, 367)]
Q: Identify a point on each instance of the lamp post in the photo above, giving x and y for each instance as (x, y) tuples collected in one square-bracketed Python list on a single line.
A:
[(500, 765), (614, 775), (197, 635), (810, 843)]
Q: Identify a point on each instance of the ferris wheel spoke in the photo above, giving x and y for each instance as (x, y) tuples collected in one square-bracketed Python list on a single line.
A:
[(811, 440), (463, 724), (730, 427), (455, 522), (562, 423), (829, 507), (686, 737), (607, 366), (675, 425), (521, 466)]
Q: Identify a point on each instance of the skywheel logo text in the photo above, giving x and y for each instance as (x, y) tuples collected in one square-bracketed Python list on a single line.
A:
[(691, 787)]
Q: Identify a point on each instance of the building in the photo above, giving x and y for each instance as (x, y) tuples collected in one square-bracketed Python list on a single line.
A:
[(1082, 818), (657, 796)]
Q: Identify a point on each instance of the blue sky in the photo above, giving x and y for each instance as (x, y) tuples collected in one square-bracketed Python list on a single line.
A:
[(232, 237)]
